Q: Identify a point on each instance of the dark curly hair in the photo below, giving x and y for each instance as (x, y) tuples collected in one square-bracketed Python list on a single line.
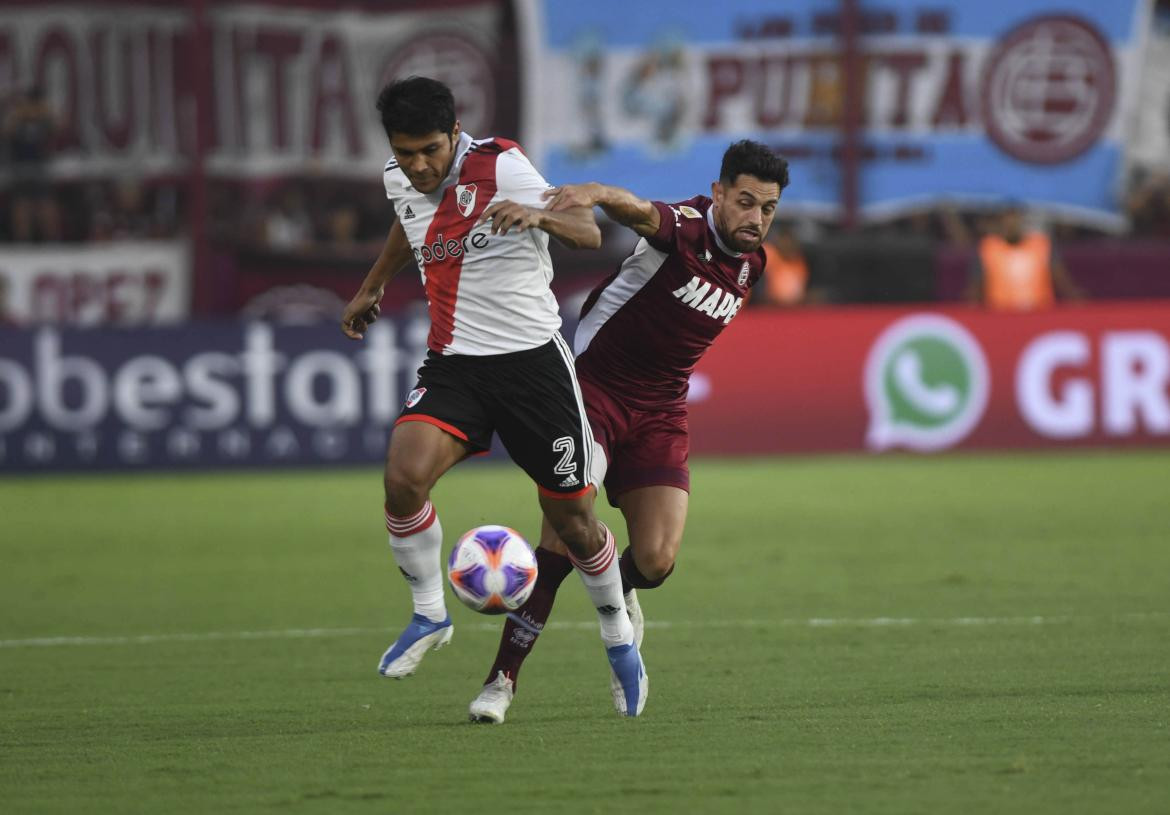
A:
[(752, 158)]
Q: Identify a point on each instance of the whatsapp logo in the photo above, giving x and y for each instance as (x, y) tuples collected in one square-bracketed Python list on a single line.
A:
[(926, 384)]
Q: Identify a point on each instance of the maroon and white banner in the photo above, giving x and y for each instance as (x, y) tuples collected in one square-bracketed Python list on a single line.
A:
[(899, 379), (963, 100), (126, 283), (292, 87)]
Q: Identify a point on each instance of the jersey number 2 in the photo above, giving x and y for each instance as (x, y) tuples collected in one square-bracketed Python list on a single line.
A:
[(565, 446)]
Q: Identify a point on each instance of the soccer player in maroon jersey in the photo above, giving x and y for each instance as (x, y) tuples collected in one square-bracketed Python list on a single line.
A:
[(641, 332), (471, 214)]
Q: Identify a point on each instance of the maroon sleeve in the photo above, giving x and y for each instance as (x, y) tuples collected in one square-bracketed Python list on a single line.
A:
[(667, 224)]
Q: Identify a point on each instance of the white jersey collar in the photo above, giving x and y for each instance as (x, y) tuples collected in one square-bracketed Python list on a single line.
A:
[(727, 250), (461, 149)]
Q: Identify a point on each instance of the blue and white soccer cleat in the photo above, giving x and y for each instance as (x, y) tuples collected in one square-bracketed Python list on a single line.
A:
[(626, 663), (403, 657), (638, 621)]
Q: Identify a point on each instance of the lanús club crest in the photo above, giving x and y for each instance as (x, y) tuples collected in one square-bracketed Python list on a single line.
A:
[(744, 271), (465, 198)]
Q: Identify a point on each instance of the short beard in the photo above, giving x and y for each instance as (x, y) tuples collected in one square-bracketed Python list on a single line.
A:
[(733, 242), (739, 246)]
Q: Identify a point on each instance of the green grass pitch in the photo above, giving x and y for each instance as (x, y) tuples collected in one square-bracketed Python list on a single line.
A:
[(983, 634)]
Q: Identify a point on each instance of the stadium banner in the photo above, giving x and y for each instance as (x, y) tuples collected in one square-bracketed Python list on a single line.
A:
[(202, 395), (819, 380), (886, 379), (292, 84), (965, 101), (121, 283)]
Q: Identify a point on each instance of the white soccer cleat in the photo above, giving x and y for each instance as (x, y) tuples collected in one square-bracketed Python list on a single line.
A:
[(634, 610), (402, 658), (493, 701)]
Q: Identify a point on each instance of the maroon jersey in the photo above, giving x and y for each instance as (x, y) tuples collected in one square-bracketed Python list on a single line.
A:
[(644, 328)]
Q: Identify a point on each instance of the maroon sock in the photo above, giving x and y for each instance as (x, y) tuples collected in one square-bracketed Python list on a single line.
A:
[(634, 579), (523, 626)]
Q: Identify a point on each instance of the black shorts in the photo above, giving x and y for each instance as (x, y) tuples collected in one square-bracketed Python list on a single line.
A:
[(530, 398)]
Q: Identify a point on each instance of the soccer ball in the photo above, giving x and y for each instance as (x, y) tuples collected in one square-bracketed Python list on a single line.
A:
[(492, 569)]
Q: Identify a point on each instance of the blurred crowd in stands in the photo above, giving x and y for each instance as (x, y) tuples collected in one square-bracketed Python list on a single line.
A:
[(36, 208), (323, 215), (313, 215), (292, 215), (328, 219)]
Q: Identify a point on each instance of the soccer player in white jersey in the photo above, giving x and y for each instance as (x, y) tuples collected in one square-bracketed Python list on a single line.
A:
[(471, 215)]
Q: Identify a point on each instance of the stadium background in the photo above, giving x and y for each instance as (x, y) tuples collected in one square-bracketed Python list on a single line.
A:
[(201, 194), (206, 164)]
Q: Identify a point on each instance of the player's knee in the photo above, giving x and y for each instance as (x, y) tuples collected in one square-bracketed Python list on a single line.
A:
[(657, 567), (406, 487), (653, 562)]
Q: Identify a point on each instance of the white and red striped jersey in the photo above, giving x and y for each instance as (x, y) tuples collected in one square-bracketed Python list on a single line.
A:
[(488, 294)]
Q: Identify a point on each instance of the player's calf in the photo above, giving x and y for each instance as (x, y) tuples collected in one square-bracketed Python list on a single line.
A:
[(523, 627), (577, 527)]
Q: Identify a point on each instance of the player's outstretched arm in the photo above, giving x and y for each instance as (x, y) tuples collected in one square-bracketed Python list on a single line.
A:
[(576, 227), (363, 309), (619, 203)]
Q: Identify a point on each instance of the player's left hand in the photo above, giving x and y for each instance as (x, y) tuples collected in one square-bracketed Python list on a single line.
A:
[(506, 215), (569, 196), (361, 311)]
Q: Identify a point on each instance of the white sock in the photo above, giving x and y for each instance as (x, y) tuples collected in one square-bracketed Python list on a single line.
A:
[(417, 543), (603, 580)]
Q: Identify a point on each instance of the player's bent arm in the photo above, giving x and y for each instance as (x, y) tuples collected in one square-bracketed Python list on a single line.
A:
[(629, 210), (576, 228), (619, 204), (364, 308)]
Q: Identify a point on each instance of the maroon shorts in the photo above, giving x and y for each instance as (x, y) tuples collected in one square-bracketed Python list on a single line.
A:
[(645, 448)]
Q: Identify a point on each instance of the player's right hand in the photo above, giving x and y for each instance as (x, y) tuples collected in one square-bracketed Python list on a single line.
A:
[(570, 196), (362, 310)]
